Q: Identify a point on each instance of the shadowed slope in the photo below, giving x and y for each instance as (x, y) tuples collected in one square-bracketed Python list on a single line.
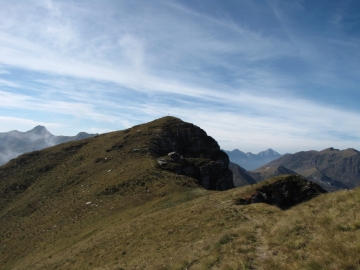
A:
[(266, 172), (49, 197), (240, 176), (333, 169), (283, 191), (106, 203)]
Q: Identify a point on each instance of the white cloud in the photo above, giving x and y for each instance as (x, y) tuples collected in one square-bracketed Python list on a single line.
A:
[(286, 127), (121, 63), (75, 109), (23, 124), (8, 82), (133, 50), (2, 71)]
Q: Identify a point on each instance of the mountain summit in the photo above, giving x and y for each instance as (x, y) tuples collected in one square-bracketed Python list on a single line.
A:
[(139, 199), (15, 143), (250, 161), (91, 178), (39, 130)]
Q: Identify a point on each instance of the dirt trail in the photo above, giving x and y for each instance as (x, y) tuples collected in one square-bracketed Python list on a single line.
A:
[(262, 249)]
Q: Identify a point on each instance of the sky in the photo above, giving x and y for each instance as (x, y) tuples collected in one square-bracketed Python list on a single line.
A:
[(253, 74)]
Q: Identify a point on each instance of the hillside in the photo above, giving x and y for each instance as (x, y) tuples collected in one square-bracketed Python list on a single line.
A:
[(241, 177), (250, 161), (331, 168), (110, 202), (266, 172), (15, 143)]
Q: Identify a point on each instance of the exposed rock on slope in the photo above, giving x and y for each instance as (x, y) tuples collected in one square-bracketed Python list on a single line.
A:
[(59, 191), (15, 143), (76, 162), (186, 149), (53, 202), (106, 203), (331, 168), (283, 191)]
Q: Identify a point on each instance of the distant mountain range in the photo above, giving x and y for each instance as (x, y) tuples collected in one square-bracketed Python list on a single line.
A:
[(160, 196), (331, 168), (250, 161), (15, 143)]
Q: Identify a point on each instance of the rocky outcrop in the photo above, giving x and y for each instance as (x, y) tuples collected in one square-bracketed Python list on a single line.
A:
[(174, 135), (210, 174), (186, 149), (283, 191)]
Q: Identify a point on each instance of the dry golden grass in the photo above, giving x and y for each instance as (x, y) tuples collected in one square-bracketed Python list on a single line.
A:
[(158, 220), (320, 234), (198, 229)]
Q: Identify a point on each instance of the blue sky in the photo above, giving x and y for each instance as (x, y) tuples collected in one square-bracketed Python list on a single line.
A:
[(253, 74)]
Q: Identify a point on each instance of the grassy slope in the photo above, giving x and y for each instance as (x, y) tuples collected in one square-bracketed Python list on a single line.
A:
[(158, 220), (197, 228), (268, 172)]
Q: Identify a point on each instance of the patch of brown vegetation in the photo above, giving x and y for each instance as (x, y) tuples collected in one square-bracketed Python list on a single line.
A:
[(283, 191), (98, 209)]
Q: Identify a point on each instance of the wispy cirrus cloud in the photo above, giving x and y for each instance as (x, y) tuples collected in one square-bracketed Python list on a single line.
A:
[(248, 72), (13, 123)]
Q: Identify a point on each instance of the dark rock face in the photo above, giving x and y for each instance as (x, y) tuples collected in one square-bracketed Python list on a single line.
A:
[(211, 174), (284, 192), (186, 139), (186, 149)]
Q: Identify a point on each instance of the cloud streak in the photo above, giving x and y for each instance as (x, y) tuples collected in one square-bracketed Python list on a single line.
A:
[(248, 74)]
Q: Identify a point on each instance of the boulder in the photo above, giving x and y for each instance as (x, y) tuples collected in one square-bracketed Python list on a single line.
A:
[(175, 156), (283, 192)]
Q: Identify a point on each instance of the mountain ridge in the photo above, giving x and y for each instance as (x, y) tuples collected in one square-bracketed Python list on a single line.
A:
[(250, 161), (332, 168), (106, 202), (267, 172), (15, 143), (241, 177)]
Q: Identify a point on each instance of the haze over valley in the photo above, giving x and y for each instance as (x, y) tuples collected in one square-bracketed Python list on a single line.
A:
[(179, 134)]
